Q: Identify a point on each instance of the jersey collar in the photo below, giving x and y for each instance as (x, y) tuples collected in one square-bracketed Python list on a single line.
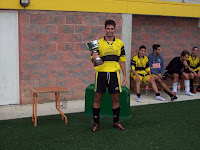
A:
[(107, 41)]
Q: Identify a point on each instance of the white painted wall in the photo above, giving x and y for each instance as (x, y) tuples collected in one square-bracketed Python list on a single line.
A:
[(9, 58)]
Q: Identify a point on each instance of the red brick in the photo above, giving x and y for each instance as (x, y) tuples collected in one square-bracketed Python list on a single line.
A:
[(29, 28), (49, 46), (66, 46), (39, 19), (90, 20), (25, 56), (70, 19), (24, 18), (48, 28), (55, 56), (28, 84), (84, 29), (29, 47), (40, 74), (65, 28), (58, 38), (97, 29), (33, 37), (68, 56), (49, 82), (73, 37), (25, 66), (81, 47), (56, 19), (39, 56)]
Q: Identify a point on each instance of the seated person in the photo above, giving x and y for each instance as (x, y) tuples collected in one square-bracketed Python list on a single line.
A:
[(140, 72), (194, 66), (178, 69), (156, 64)]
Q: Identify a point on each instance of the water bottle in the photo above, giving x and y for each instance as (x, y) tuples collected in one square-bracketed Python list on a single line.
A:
[(178, 88), (147, 89)]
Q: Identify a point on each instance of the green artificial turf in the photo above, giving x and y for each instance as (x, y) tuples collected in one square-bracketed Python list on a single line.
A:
[(169, 126)]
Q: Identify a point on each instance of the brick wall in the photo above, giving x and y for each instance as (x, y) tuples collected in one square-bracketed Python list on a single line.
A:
[(174, 34), (52, 50)]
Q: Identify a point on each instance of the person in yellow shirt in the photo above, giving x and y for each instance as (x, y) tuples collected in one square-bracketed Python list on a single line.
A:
[(112, 52), (194, 66), (140, 72)]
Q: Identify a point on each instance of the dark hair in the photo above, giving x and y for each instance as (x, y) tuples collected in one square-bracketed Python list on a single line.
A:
[(185, 53), (142, 47), (194, 48), (110, 22), (155, 47)]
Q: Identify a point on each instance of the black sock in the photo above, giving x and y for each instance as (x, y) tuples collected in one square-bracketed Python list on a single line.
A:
[(116, 113), (191, 84), (168, 93), (157, 94), (138, 94), (96, 115)]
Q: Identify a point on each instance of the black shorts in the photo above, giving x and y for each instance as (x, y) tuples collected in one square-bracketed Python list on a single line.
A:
[(170, 74), (111, 80)]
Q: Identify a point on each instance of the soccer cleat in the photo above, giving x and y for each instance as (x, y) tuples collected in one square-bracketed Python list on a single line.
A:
[(118, 126), (193, 91), (160, 98), (189, 94), (198, 89), (138, 99), (173, 98), (95, 127)]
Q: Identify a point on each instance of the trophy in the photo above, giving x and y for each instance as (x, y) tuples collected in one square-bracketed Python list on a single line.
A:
[(93, 46)]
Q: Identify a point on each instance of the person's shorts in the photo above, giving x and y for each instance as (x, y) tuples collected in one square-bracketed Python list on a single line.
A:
[(143, 78), (170, 74), (111, 80)]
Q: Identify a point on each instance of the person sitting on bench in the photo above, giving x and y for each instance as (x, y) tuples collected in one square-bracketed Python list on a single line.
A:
[(140, 71), (178, 69), (194, 65), (156, 64)]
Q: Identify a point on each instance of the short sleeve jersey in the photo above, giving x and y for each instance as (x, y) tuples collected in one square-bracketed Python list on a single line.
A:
[(111, 52), (140, 65), (194, 63)]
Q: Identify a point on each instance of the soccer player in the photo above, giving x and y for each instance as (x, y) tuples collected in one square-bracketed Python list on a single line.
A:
[(157, 69), (177, 69), (140, 72), (194, 66), (112, 53)]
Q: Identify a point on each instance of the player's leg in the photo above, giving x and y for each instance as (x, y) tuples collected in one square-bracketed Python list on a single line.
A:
[(186, 76), (114, 88), (154, 87)]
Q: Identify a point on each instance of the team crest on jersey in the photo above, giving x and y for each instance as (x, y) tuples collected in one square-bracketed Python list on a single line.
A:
[(117, 88)]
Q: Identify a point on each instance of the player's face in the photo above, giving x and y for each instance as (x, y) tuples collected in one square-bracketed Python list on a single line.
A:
[(142, 52), (195, 51), (158, 51), (185, 58), (110, 29)]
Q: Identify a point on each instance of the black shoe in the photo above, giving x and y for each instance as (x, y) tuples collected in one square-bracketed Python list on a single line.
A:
[(173, 98)]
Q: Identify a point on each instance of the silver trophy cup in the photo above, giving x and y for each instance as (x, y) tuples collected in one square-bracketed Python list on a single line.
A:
[(93, 46)]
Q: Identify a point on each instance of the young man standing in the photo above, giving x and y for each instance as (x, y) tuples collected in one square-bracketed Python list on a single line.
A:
[(112, 53), (178, 69), (157, 69), (140, 72), (194, 66)]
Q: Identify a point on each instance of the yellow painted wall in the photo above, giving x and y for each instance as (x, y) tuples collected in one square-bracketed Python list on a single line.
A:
[(146, 7)]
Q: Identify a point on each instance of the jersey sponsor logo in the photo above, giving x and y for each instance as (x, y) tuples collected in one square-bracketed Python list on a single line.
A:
[(156, 65)]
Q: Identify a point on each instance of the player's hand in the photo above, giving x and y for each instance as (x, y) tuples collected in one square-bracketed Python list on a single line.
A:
[(160, 76), (185, 64), (195, 74), (124, 82), (95, 55)]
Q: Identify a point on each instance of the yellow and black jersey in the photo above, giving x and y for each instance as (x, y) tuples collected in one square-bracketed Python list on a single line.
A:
[(194, 63), (140, 65), (111, 52)]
